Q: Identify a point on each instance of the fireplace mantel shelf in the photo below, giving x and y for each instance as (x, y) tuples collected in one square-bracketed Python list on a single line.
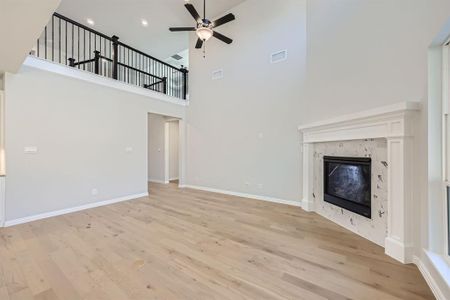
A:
[(396, 123), (377, 112)]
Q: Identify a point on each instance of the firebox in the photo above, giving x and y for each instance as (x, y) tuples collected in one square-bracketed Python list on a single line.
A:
[(347, 183)]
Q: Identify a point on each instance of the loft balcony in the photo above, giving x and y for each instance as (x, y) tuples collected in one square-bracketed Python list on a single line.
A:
[(71, 43)]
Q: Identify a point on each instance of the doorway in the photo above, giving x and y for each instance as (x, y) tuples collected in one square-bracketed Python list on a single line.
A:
[(164, 150)]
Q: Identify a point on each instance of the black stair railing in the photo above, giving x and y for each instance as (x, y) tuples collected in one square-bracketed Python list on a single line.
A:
[(68, 42)]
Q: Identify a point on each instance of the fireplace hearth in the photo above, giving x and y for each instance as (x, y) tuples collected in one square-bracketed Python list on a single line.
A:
[(347, 183)]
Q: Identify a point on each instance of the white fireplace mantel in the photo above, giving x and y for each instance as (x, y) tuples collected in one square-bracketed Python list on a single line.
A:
[(396, 123)]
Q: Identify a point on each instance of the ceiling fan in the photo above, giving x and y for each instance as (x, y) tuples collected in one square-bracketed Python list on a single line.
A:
[(204, 27)]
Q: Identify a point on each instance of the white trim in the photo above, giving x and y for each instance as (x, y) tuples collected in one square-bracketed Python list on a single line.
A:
[(56, 68), (243, 195), (166, 151), (182, 146), (430, 280), (73, 209), (398, 250), (158, 181), (308, 156), (380, 111), (2, 201), (172, 179)]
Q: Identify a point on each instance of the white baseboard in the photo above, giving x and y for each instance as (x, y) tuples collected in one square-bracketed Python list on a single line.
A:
[(175, 178), (434, 286), (71, 210), (243, 195), (399, 251), (158, 181), (308, 205)]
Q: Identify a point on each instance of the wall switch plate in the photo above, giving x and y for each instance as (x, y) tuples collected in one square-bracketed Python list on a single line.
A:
[(30, 150), (129, 149)]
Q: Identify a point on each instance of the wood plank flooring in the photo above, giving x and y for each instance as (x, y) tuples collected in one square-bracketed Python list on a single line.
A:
[(186, 244)]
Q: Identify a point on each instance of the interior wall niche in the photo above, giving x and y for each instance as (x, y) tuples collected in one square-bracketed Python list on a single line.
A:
[(374, 229)]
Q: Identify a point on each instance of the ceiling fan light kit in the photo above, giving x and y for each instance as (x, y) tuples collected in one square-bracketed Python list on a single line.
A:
[(205, 28), (204, 33)]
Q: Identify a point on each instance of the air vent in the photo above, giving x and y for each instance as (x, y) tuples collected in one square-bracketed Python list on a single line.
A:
[(177, 57), (279, 56), (217, 74)]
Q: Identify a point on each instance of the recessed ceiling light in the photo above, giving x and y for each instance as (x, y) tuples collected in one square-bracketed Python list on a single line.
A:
[(144, 22), (90, 21)]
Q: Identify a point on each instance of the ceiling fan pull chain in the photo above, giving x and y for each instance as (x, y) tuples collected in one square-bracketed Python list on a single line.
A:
[(204, 50)]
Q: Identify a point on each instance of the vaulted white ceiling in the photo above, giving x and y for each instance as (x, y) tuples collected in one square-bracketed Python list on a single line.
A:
[(123, 18), (21, 23)]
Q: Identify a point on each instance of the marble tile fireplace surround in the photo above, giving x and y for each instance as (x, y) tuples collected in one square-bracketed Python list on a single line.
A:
[(386, 135)]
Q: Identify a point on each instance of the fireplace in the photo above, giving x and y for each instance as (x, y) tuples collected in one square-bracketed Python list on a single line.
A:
[(347, 183)]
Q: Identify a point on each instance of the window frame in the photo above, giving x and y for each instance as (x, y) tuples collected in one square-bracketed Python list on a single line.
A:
[(446, 146)]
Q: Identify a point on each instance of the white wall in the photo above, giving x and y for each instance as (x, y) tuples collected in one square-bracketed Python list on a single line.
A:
[(242, 129), (156, 148), (364, 54), (174, 137), (82, 132)]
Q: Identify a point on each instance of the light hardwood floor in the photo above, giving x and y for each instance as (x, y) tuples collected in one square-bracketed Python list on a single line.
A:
[(186, 244)]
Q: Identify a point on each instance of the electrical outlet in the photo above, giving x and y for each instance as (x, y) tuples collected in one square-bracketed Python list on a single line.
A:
[(247, 183), (129, 149), (94, 192)]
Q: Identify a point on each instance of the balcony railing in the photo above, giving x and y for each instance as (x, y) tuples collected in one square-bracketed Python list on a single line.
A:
[(68, 42)]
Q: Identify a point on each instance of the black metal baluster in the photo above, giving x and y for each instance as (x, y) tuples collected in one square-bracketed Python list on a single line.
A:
[(73, 44), (45, 41), (90, 38), (59, 40), (84, 48), (53, 38), (78, 44), (65, 50)]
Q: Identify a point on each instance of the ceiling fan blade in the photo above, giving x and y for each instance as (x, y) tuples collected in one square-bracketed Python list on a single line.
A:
[(182, 28), (224, 20), (222, 37), (199, 44), (193, 12)]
